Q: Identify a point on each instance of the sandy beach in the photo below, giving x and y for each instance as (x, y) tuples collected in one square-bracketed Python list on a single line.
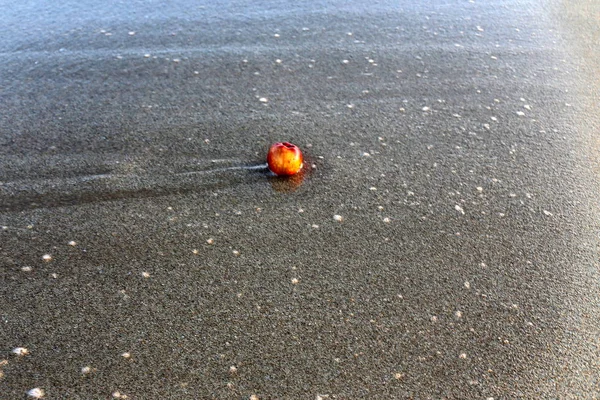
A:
[(441, 242)]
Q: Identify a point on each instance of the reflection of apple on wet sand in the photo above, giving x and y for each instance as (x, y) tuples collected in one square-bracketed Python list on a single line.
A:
[(287, 184)]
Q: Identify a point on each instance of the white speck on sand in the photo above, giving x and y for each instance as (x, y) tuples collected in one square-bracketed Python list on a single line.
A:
[(210, 241), (479, 189), (126, 355), (520, 113), (36, 393), (373, 188), (467, 284), (386, 220), (434, 318), (462, 355), (459, 209), (458, 314), (426, 108), (338, 218), (398, 375), (119, 395), (47, 257), (295, 281), (26, 269), (20, 351), (253, 397), (236, 253), (548, 213), (263, 100), (315, 226), (195, 251), (146, 274), (86, 370), (345, 61), (72, 243), (233, 369)]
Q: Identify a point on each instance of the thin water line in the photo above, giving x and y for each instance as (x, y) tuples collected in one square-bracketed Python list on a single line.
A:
[(258, 167), (97, 177)]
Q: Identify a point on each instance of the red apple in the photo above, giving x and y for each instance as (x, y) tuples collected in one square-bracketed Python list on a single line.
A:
[(284, 159)]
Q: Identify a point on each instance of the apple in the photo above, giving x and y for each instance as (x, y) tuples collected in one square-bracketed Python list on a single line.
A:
[(284, 159)]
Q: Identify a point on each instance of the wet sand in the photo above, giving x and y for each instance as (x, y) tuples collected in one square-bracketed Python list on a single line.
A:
[(441, 243)]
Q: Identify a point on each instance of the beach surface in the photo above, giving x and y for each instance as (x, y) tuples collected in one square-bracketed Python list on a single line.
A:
[(440, 243)]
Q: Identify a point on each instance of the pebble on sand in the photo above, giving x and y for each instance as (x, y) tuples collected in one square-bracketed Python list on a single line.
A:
[(36, 393), (20, 351)]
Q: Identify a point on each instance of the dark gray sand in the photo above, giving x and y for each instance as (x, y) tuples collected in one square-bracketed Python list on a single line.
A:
[(442, 242)]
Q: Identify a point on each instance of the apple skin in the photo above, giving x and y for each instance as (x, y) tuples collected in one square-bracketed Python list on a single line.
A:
[(285, 159)]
